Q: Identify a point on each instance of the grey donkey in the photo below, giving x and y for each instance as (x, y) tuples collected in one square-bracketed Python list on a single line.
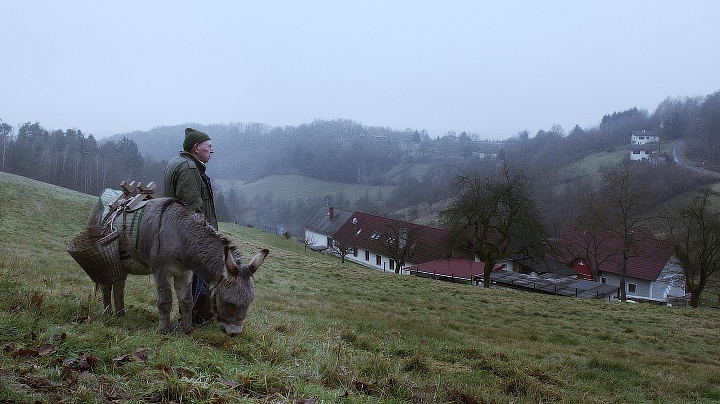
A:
[(173, 242)]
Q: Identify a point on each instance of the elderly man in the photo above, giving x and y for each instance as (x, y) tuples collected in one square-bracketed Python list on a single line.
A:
[(186, 180)]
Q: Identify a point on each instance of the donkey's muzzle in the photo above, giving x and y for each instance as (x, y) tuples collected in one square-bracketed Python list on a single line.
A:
[(231, 328)]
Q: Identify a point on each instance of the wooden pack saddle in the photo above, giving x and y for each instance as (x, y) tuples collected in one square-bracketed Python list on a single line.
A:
[(122, 209)]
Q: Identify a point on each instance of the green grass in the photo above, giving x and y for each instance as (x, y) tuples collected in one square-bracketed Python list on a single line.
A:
[(592, 165), (326, 331)]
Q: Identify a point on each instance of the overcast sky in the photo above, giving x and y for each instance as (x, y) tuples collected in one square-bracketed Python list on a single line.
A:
[(491, 68)]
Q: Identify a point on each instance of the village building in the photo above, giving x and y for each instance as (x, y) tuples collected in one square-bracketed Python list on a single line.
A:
[(643, 144), (652, 273), (369, 237), (319, 230)]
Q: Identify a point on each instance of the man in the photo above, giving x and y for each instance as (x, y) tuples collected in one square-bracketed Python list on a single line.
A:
[(186, 180)]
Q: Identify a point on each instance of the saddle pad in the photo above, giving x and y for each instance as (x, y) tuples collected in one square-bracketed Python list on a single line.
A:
[(130, 219), (107, 197)]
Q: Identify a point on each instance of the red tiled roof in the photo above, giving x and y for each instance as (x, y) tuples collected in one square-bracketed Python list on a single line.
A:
[(359, 229), (647, 259), (456, 267)]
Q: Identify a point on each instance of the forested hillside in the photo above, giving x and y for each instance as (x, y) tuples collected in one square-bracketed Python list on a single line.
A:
[(415, 170)]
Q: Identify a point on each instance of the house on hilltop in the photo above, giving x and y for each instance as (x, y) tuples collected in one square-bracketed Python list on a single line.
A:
[(643, 144), (652, 273)]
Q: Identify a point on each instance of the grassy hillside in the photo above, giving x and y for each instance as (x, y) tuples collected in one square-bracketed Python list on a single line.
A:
[(322, 331)]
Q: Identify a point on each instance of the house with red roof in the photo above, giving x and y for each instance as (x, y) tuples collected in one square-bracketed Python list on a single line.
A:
[(652, 273), (368, 238)]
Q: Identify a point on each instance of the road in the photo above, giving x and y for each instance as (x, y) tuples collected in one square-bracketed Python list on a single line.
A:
[(679, 161)]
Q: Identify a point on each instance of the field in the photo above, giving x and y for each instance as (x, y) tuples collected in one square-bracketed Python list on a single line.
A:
[(324, 332)]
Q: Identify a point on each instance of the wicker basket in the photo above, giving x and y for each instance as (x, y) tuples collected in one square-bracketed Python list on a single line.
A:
[(98, 256)]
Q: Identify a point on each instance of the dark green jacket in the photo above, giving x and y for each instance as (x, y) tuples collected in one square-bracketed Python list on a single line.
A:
[(184, 180)]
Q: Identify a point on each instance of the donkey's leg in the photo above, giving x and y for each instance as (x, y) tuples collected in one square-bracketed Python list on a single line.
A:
[(164, 299), (183, 290), (118, 289), (107, 298)]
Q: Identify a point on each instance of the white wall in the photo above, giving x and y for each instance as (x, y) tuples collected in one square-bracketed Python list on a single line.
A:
[(316, 239), (670, 282), (643, 139), (372, 261)]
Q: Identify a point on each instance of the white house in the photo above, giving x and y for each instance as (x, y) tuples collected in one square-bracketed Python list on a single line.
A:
[(643, 144), (320, 229), (652, 272), (663, 286), (364, 235)]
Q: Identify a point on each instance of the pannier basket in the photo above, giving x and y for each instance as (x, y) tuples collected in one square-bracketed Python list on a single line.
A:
[(98, 255)]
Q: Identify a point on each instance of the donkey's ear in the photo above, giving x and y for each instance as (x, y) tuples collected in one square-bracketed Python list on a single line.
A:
[(257, 260), (230, 264)]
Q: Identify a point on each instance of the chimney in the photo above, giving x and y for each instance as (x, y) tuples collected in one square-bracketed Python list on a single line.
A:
[(331, 213)]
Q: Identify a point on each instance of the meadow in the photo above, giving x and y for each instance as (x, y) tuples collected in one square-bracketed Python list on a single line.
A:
[(321, 331)]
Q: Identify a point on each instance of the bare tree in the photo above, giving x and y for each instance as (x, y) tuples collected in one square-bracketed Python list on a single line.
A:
[(590, 239), (6, 132), (630, 206), (340, 249), (494, 218), (694, 230), (614, 222), (399, 243)]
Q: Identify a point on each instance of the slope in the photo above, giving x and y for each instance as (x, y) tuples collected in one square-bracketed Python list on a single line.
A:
[(324, 331)]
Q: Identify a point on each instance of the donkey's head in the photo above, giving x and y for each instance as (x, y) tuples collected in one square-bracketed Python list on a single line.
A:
[(231, 298)]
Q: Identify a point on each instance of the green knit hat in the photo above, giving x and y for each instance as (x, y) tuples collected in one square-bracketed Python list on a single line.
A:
[(193, 136)]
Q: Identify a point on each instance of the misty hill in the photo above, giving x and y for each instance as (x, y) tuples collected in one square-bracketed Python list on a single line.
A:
[(248, 152), (279, 175), (348, 152)]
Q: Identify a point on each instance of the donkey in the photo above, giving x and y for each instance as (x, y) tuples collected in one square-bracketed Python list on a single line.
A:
[(173, 242)]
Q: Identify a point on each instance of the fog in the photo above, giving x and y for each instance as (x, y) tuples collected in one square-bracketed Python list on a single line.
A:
[(463, 66)]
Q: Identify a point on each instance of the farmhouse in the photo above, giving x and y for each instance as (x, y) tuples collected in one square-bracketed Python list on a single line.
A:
[(374, 240), (652, 273), (322, 226)]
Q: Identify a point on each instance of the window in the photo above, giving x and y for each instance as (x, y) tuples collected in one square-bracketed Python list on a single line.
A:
[(367, 255), (378, 260), (392, 265), (329, 242), (636, 151), (632, 288), (355, 251), (603, 280)]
